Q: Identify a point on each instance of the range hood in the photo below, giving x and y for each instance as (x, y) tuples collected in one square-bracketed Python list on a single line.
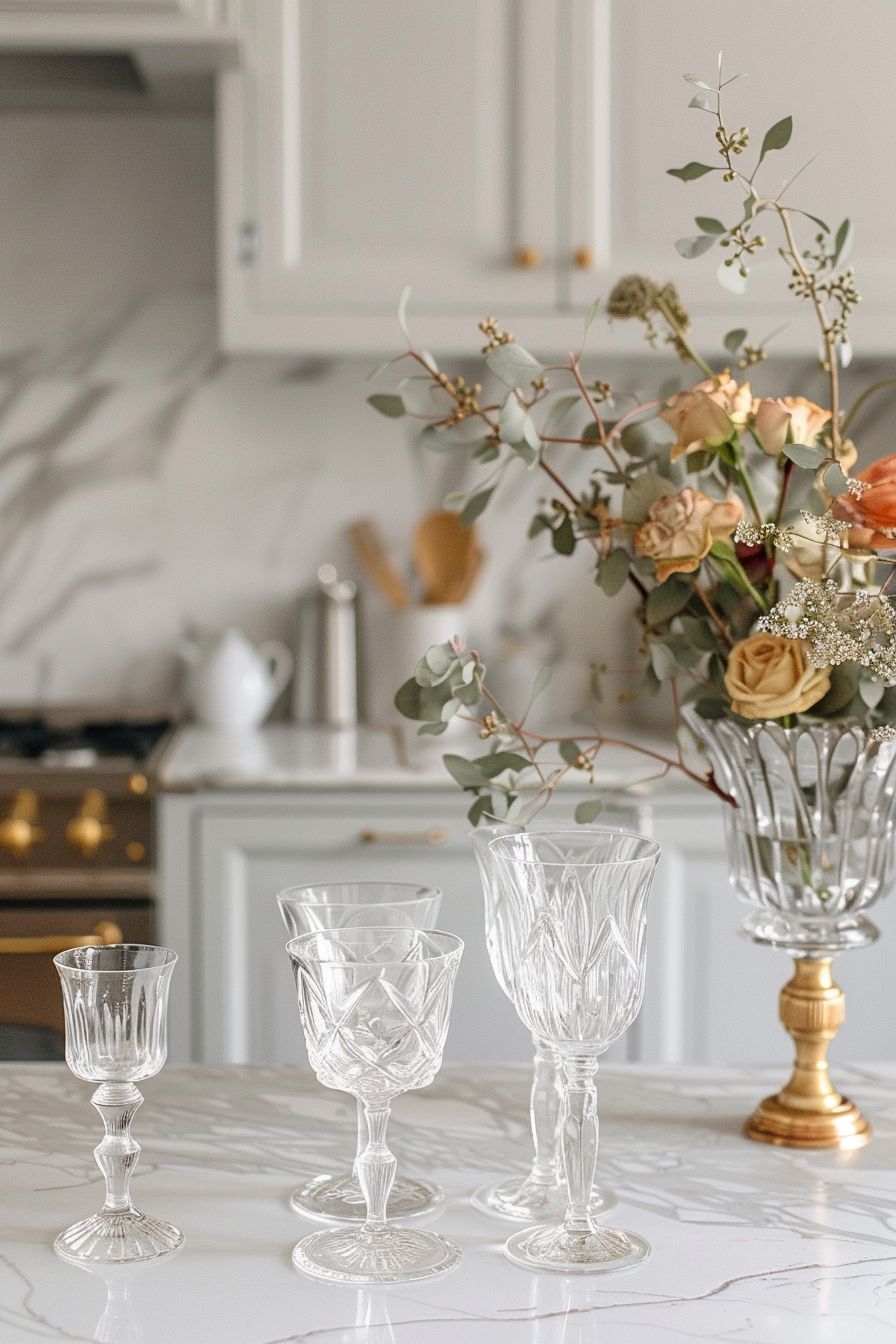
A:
[(139, 78)]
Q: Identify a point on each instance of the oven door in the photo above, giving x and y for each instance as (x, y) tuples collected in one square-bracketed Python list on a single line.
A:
[(31, 933)]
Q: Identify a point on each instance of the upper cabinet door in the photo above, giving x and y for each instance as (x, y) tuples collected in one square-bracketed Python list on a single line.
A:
[(629, 122), (368, 146), (83, 22)]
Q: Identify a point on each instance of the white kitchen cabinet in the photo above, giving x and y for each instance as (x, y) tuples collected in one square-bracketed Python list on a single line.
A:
[(365, 147), (629, 122)]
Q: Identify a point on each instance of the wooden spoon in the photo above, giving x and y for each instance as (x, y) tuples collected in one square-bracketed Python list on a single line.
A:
[(445, 553), (374, 558)]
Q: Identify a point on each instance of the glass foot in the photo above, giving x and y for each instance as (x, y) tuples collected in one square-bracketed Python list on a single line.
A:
[(339, 1199), (384, 1255), (596, 1252), (117, 1238), (528, 1201)]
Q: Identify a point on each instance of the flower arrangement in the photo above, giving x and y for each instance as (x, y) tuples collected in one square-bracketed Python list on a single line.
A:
[(761, 565)]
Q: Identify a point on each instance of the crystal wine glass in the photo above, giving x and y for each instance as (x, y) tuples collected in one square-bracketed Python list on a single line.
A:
[(116, 1005), (541, 1193), (576, 905), (337, 905), (375, 1004)]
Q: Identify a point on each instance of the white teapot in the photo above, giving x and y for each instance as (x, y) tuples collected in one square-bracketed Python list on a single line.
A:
[(231, 684)]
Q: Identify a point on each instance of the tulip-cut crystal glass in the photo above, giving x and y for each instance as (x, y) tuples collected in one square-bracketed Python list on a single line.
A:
[(576, 907), (339, 905), (541, 1193), (116, 1006), (375, 1004)]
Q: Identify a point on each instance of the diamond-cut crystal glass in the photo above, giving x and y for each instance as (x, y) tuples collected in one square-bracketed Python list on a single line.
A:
[(116, 1006), (541, 1193), (337, 905), (375, 1004), (576, 906)]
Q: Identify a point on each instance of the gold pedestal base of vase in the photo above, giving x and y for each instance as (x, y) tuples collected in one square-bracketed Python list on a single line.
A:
[(809, 1112)]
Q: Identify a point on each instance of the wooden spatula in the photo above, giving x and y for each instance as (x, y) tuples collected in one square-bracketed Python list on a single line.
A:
[(374, 558), (445, 553)]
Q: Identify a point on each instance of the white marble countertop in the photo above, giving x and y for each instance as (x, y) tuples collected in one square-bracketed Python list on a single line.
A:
[(750, 1244), (290, 756)]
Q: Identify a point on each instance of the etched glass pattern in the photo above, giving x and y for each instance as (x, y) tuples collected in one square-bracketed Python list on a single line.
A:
[(116, 1007), (576, 927), (812, 840), (336, 905), (374, 1004), (541, 1193)]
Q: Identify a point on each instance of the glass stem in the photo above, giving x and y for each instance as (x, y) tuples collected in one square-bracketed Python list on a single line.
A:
[(579, 1138), (361, 1143), (118, 1153), (376, 1166), (544, 1112)]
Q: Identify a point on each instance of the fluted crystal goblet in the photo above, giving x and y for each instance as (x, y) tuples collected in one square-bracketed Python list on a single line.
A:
[(576, 909), (375, 1004), (541, 1193), (337, 905), (116, 1007)]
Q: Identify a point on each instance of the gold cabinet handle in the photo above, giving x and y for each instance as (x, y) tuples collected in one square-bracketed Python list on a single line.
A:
[(18, 831), (583, 259), (89, 829), (104, 933), (435, 835), (528, 258)]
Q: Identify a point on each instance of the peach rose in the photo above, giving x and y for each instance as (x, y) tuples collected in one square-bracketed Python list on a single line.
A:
[(680, 529), (874, 515), (706, 415), (773, 417), (768, 676)]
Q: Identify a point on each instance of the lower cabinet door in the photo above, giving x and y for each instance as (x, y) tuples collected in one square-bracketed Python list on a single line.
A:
[(243, 987)]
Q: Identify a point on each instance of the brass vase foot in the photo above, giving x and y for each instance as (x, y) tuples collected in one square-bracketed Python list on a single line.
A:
[(809, 1112)]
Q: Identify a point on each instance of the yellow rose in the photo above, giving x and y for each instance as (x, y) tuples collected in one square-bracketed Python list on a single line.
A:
[(706, 415), (768, 676), (680, 529), (774, 416)]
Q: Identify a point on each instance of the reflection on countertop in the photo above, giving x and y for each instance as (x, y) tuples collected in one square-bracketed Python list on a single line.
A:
[(291, 756)]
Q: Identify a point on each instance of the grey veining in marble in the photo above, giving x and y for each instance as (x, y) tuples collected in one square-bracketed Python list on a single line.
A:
[(749, 1243)]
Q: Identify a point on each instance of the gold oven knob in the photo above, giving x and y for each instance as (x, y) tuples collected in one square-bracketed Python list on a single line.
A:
[(90, 828), (583, 258), (18, 831), (528, 258)]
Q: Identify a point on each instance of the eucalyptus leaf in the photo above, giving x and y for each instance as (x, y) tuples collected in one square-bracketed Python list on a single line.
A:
[(387, 403), (662, 661), (644, 490), (613, 571), (706, 102), (569, 750), (465, 773), (804, 455), (700, 83), (667, 600), (564, 537), (706, 224), (496, 762), (440, 440), (694, 247), (513, 365), (422, 702), (777, 136), (590, 316), (588, 811), (835, 481), (842, 244), (482, 807), (540, 684), (871, 692), (375, 373), (475, 505), (733, 340), (560, 409), (432, 729), (691, 171)]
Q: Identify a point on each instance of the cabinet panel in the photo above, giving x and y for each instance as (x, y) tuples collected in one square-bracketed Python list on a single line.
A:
[(368, 147)]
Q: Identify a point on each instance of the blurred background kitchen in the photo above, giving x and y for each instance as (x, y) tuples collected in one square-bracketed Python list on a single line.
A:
[(210, 210)]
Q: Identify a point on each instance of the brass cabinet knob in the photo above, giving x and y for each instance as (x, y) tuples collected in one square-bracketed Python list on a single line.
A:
[(434, 835), (528, 258), (89, 829), (583, 259), (18, 831)]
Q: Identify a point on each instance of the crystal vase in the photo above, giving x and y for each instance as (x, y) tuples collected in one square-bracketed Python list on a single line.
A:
[(811, 848)]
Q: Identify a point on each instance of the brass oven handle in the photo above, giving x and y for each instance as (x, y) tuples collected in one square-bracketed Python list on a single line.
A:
[(435, 835), (106, 932), (18, 831), (89, 828)]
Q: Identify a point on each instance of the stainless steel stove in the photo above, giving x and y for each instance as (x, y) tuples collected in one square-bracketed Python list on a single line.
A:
[(77, 860)]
